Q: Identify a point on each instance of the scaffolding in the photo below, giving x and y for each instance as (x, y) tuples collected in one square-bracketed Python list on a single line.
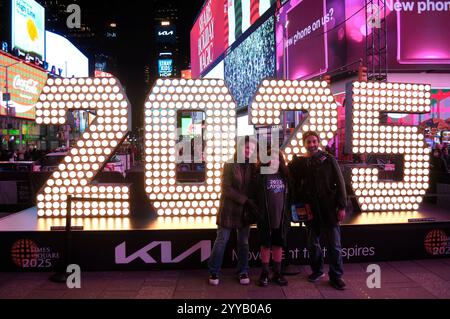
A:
[(376, 40)]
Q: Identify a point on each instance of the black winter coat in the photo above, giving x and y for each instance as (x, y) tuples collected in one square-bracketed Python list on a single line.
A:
[(237, 180), (319, 183)]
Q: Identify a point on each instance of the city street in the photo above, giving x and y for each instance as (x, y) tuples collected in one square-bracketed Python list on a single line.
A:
[(418, 279), (151, 146)]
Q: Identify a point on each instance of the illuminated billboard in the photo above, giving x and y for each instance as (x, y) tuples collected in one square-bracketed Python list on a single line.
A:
[(25, 83), (165, 67), (241, 14), (207, 36), (310, 38), (219, 25), (321, 36), (28, 27), (415, 37), (65, 58), (250, 62)]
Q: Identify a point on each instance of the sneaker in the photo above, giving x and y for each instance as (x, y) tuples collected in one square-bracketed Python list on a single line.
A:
[(244, 279), (338, 283), (315, 276), (213, 280), (263, 280), (279, 279)]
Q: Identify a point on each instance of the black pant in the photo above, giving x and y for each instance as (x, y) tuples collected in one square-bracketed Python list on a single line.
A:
[(334, 252)]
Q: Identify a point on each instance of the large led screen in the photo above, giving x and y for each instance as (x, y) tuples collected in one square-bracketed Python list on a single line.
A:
[(207, 36), (66, 59), (328, 36), (241, 14), (219, 25), (250, 62), (25, 83), (28, 27), (416, 36), (310, 37)]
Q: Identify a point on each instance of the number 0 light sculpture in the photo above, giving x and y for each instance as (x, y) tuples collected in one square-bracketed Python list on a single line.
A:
[(167, 97)]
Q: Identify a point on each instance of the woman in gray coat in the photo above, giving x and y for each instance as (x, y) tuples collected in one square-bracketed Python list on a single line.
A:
[(237, 179)]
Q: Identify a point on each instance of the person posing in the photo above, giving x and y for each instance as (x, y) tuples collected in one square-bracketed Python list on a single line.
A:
[(272, 198), (237, 180), (323, 192)]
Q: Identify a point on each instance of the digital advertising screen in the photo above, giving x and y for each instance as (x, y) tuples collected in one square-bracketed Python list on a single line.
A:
[(241, 14), (219, 25), (24, 85), (310, 37), (165, 67), (207, 36), (416, 39), (28, 27), (64, 58), (250, 62), (321, 36)]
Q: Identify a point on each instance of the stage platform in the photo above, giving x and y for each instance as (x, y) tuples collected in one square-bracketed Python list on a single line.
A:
[(145, 241)]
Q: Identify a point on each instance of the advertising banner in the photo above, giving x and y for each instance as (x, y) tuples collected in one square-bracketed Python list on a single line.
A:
[(25, 83), (219, 25), (241, 14), (316, 37), (188, 249), (165, 68), (64, 58), (415, 37), (310, 38), (207, 36), (28, 27), (251, 62)]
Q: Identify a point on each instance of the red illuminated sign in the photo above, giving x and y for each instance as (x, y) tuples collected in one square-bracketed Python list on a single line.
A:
[(207, 36)]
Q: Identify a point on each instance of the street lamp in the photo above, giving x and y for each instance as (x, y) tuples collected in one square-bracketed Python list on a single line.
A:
[(6, 95)]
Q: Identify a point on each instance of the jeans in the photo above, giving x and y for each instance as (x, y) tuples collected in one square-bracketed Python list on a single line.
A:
[(223, 235), (333, 241)]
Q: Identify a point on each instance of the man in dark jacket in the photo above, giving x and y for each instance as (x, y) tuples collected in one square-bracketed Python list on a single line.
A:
[(322, 189)]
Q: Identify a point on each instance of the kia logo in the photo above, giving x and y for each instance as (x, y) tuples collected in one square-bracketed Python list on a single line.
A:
[(164, 33)]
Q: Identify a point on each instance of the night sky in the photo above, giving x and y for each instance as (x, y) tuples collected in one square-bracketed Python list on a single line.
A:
[(135, 41)]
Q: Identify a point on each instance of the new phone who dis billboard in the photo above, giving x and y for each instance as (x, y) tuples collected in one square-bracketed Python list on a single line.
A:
[(28, 27)]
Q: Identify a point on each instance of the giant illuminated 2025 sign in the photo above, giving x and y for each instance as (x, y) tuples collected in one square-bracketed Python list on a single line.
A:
[(169, 96), (367, 100), (164, 101), (79, 167)]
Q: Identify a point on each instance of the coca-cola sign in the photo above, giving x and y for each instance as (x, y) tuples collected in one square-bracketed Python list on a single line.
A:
[(25, 85), (25, 82)]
